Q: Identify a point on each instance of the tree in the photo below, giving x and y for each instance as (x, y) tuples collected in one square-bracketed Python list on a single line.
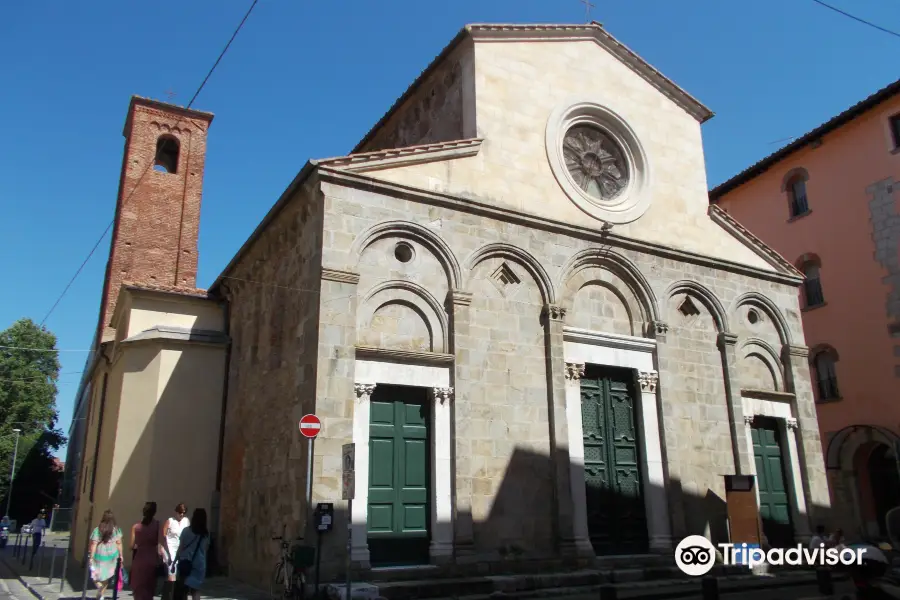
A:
[(29, 370)]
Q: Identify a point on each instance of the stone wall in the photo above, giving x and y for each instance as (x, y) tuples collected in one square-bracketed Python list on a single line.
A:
[(433, 112), (513, 271), (274, 311)]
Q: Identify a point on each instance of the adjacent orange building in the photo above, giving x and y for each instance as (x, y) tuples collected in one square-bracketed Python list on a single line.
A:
[(828, 202)]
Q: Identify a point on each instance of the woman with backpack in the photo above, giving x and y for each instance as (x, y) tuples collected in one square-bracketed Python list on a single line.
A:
[(190, 561)]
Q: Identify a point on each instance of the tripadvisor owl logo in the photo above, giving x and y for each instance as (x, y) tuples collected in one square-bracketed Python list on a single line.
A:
[(695, 556)]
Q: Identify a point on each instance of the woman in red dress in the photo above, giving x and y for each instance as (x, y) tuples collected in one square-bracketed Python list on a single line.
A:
[(145, 560)]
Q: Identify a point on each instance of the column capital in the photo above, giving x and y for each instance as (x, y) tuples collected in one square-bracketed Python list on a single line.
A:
[(363, 389), (789, 350), (748, 420), (555, 312), (574, 371), (727, 339), (443, 394), (459, 298), (791, 423), (340, 276), (659, 329), (648, 381)]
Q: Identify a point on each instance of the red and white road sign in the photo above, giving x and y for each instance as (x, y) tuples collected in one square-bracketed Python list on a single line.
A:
[(310, 426)]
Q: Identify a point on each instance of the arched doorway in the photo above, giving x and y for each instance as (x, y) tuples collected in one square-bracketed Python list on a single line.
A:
[(884, 481)]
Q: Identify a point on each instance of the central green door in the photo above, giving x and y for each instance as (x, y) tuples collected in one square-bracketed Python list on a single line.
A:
[(774, 498), (399, 476), (617, 519)]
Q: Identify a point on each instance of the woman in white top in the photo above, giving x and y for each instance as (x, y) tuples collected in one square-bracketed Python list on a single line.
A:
[(171, 535)]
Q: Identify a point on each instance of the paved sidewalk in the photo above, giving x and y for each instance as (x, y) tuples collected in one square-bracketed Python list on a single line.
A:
[(72, 587)]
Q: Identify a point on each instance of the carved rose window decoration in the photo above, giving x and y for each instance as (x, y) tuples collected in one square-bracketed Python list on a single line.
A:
[(595, 162)]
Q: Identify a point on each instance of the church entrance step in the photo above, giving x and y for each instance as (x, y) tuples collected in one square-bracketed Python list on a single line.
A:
[(640, 580)]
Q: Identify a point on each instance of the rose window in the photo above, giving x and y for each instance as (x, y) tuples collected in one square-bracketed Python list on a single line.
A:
[(595, 162)]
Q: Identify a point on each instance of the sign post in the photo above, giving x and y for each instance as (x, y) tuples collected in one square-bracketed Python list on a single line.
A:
[(310, 426), (348, 487)]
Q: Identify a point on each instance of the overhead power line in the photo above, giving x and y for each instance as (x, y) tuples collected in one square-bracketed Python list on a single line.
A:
[(149, 166), (857, 19)]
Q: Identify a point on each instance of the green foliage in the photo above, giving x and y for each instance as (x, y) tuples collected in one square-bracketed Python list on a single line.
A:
[(29, 370)]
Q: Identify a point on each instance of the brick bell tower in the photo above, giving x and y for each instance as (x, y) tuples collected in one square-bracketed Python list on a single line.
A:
[(157, 220)]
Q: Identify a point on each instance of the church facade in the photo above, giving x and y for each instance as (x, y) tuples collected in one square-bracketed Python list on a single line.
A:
[(512, 297)]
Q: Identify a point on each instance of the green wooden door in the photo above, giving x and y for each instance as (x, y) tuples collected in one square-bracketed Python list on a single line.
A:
[(617, 521), (399, 476), (774, 494)]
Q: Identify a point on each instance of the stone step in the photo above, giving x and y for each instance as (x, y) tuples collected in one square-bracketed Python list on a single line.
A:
[(541, 583)]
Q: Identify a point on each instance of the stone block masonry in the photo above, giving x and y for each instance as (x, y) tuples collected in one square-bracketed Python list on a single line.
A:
[(885, 221)]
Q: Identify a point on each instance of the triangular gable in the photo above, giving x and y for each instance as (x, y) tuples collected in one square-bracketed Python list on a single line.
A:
[(743, 235)]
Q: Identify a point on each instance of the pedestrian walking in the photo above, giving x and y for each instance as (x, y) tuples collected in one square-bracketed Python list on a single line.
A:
[(171, 533), (145, 559), (105, 552), (38, 525), (191, 558)]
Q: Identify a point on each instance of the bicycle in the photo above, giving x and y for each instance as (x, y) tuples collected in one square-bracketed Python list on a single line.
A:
[(289, 578)]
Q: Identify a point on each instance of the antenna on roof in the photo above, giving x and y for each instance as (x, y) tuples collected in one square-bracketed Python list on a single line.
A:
[(170, 94), (587, 9), (787, 139)]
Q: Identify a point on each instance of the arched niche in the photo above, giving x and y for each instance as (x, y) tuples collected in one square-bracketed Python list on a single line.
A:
[(402, 315)]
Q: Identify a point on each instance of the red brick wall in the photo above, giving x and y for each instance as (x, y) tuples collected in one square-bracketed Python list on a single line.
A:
[(157, 219)]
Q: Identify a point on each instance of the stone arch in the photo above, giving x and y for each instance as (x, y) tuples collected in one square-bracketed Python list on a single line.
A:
[(638, 296), (523, 258), (808, 258), (416, 232), (757, 349), (761, 302), (706, 297), (795, 174), (416, 298)]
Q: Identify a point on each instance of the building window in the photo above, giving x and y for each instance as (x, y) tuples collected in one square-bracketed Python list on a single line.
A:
[(794, 184), (826, 375), (812, 285), (167, 149), (895, 130)]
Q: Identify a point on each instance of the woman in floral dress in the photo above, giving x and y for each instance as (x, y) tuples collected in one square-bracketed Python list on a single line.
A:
[(106, 549)]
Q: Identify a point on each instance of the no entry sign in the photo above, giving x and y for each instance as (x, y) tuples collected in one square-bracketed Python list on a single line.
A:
[(310, 426)]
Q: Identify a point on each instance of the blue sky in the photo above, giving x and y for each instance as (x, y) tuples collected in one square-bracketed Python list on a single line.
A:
[(308, 79)]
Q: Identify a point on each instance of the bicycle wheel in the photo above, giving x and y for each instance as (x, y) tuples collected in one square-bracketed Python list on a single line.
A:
[(298, 587), (277, 586)]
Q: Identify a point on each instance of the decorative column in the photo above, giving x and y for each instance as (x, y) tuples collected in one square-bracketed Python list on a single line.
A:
[(727, 345), (359, 552), (441, 549), (801, 519), (669, 438), (653, 476), (582, 542), (748, 434), (559, 430), (458, 304), (809, 444)]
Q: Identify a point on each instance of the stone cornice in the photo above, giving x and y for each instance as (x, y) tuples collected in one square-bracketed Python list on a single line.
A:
[(767, 395), (340, 276), (398, 157), (610, 239), (164, 333), (403, 356)]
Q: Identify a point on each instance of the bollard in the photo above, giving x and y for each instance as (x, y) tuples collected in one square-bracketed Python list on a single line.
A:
[(24, 550), (710, 588), (115, 583), (62, 579), (16, 546), (608, 592), (41, 549), (87, 571), (52, 564), (826, 584)]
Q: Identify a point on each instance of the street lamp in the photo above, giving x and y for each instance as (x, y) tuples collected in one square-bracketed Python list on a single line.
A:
[(12, 471)]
